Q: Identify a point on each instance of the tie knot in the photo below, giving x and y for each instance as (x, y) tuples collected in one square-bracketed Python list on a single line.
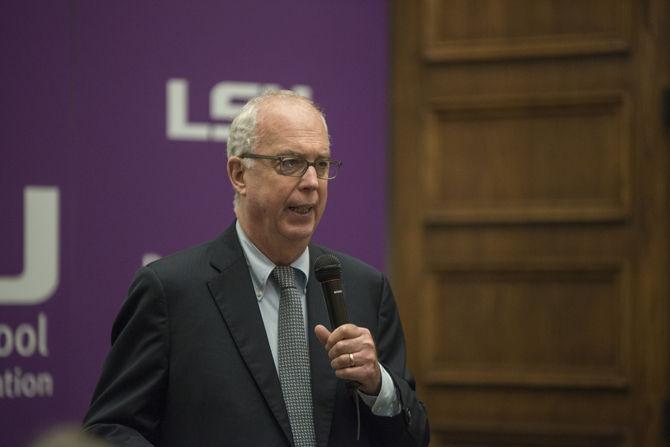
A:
[(283, 274)]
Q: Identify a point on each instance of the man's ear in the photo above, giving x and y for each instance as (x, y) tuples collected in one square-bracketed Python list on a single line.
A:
[(236, 170)]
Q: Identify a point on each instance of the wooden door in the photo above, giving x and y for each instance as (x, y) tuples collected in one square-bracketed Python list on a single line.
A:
[(530, 217)]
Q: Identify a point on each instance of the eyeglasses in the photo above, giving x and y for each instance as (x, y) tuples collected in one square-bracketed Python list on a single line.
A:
[(292, 166)]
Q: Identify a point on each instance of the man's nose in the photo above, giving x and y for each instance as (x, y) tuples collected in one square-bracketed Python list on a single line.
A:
[(309, 179)]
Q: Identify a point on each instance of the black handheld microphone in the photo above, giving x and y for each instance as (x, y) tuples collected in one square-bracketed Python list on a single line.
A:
[(328, 271)]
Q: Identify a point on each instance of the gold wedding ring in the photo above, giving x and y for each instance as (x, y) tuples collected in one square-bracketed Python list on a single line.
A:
[(352, 363)]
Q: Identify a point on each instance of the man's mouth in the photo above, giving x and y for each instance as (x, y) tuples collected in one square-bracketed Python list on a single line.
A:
[(304, 209)]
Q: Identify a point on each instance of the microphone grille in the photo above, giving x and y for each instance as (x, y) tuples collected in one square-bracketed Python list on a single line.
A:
[(327, 267)]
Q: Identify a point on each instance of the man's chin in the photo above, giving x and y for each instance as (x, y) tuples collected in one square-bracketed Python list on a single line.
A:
[(299, 233)]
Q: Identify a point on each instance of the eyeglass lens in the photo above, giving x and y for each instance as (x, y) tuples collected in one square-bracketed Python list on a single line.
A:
[(298, 166)]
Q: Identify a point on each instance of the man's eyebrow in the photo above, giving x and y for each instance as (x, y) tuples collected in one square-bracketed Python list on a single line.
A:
[(292, 153)]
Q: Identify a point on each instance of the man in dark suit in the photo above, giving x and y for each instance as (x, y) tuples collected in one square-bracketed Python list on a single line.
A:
[(203, 353)]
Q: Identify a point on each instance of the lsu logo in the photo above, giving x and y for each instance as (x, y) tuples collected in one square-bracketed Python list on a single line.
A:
[(40, 276), (225, 101)]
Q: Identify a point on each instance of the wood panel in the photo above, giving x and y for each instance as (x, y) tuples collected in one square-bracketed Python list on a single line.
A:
[(537, 158), (458, 30), (549, 324)]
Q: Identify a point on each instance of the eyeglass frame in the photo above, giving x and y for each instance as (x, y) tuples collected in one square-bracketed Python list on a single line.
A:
[(280, 159)]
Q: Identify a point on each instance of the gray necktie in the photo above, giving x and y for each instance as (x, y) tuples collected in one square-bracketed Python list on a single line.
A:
[(294, 373)]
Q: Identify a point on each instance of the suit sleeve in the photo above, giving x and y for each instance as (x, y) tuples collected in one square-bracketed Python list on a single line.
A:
[(128, 401), (410, 427)]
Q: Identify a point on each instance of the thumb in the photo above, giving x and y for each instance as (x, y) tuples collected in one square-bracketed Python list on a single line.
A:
[(321, 333)]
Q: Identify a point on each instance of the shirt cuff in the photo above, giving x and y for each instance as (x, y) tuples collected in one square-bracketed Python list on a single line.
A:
[(387, 402)]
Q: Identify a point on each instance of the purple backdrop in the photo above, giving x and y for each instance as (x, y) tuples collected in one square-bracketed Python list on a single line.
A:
[(118, 111)]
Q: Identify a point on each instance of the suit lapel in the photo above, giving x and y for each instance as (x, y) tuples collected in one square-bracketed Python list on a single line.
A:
[(234, 295), (324, 381)]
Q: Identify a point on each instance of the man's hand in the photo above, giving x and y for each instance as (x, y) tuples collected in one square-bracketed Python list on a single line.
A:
[(353, 356)]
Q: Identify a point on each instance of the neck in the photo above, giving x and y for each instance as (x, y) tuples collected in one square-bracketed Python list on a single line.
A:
[(280, 252), (282, 256)]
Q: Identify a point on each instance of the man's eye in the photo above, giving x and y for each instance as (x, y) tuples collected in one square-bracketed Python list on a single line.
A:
[(290, 163), (322, 164)]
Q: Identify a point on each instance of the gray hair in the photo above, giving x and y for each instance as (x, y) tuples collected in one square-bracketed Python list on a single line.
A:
[(243, 136)]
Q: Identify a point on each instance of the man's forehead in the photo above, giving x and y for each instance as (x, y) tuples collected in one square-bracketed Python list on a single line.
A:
[(280, 143), (286, 108), (291, 119)]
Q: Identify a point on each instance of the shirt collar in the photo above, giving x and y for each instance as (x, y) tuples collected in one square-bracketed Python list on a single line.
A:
[(261, 267)]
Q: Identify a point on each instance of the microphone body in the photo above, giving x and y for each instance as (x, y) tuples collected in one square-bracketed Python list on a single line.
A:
[(328, 271), (334, 297)]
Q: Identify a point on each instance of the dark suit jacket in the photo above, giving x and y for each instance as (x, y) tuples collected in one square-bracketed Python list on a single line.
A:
[(190, 364)]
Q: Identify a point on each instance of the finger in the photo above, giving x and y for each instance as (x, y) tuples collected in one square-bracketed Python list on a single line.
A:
[(344, 347), (363, 342), (344, 361), (354, 359), (352, 374), (322, 333), (343, 332)]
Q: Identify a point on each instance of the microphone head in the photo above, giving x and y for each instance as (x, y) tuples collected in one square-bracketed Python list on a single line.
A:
[(327, 267)]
